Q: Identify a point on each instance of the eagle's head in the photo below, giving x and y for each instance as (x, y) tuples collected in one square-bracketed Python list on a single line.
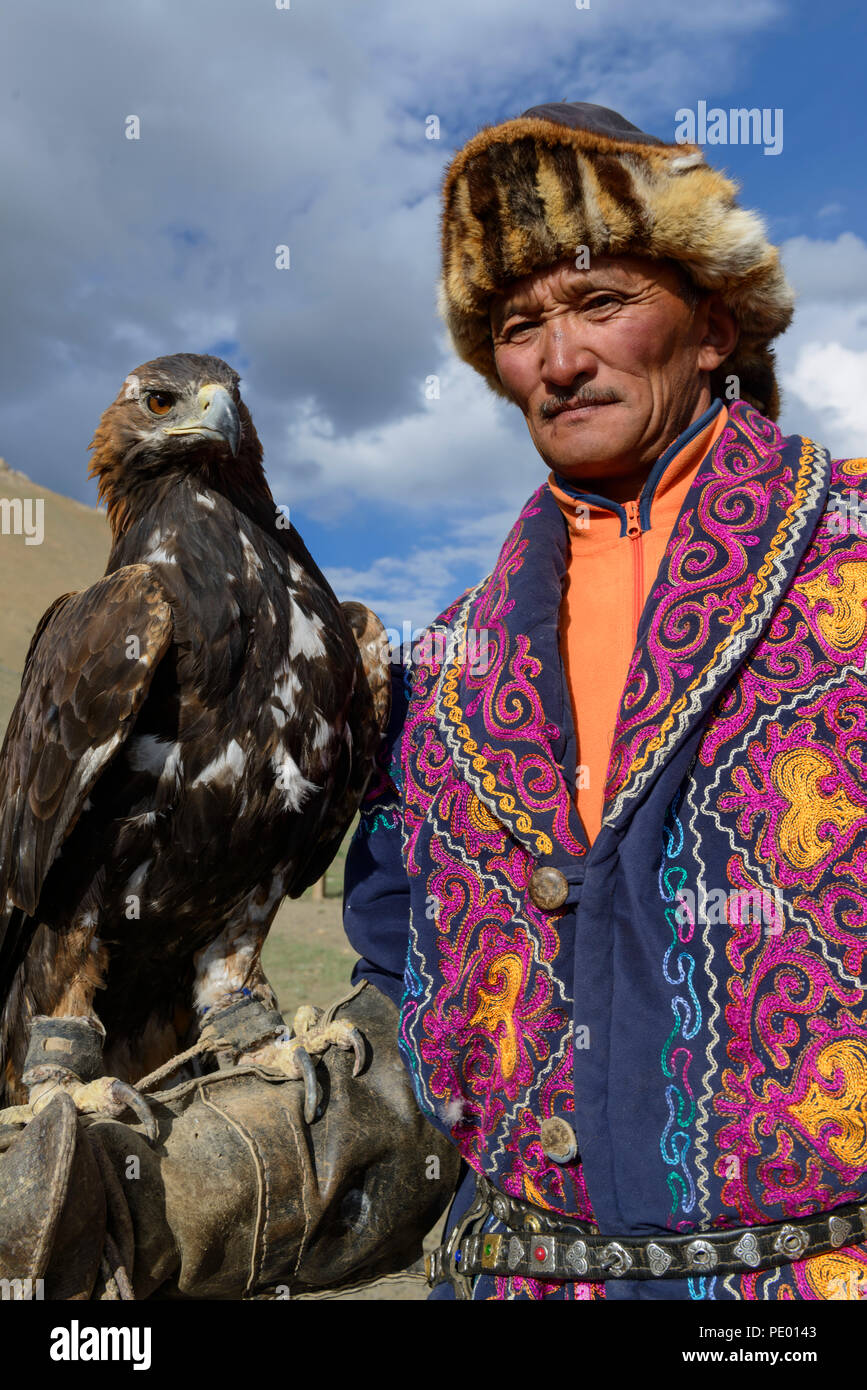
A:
[(174, 417)]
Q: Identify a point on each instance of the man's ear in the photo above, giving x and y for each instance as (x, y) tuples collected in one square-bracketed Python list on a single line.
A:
[(720, 332)]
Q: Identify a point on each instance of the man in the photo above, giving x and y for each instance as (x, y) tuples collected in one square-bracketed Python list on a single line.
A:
[(615, 876)]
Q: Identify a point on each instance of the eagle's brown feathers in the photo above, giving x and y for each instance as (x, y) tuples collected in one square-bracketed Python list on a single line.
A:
[(193, 736)]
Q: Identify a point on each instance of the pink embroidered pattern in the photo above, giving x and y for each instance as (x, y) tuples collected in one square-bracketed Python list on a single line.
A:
[(496, 1029)]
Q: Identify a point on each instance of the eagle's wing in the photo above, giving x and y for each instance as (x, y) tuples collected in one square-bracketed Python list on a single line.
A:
[(87, 673)]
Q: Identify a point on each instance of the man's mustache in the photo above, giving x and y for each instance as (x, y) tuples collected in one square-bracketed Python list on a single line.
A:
[(548, 409)]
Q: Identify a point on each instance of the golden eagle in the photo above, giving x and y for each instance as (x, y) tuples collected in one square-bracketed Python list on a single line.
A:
[(193, 736)]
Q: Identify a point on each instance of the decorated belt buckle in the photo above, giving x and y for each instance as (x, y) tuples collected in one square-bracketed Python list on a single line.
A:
[(747, 1250)]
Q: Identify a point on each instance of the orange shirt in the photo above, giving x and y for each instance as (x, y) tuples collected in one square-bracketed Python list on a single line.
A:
[(615, 552)]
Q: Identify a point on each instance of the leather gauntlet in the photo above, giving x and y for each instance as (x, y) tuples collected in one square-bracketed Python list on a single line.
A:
[(239, 1197)]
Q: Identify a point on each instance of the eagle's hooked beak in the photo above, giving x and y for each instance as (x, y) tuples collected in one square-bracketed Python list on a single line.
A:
[(217, 414)]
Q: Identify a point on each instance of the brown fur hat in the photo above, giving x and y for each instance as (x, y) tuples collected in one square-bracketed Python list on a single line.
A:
[(522, 195)]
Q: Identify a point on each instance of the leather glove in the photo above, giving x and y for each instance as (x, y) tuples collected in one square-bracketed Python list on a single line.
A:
[(239, 1196)]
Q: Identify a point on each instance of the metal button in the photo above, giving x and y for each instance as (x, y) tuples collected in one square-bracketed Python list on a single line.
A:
[(558, 1140), (548, 888)]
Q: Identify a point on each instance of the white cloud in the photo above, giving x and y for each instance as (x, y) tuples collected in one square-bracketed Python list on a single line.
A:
[(413, 587), (405, 591), (832, 381), (823, 357), (462, 455), (262, 126), (827, 270)]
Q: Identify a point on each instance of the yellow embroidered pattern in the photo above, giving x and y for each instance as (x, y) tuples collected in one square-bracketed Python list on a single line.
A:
[(842, 1103), (495, 1009), (844, 626), (836, 1276), (796, 774), (480, 817)]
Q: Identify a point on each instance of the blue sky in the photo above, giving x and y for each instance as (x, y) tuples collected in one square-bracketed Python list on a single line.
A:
[(306, 127)]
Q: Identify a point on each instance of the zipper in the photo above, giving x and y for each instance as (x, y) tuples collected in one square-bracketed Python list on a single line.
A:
[(633, 531)]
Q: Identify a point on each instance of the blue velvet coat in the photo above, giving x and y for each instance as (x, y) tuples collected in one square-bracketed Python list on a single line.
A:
[(695, 1009)]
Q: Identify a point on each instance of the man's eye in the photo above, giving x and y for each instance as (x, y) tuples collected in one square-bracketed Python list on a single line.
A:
[(515, 328), (599, 301), (159, 402)]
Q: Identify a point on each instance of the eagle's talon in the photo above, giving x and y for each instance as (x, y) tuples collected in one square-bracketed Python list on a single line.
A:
[(16, 1115), (124, 1097), (292, 1055), (318, 1038), (107, 1095), (293, 1060), (355, 1040), (312, 1094)]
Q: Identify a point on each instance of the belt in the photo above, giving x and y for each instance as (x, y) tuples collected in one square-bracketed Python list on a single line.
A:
[(544, 1245)]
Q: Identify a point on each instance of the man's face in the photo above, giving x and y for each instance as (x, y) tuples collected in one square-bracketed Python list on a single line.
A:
[(608, 364)]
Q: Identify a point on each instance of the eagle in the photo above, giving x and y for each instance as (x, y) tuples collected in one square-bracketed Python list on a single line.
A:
[(193, 736)]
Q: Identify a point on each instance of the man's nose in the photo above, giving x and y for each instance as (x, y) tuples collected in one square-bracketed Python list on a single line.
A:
[(564, 356)]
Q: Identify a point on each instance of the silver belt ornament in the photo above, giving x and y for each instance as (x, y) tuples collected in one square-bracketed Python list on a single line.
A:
[(541, 1245)]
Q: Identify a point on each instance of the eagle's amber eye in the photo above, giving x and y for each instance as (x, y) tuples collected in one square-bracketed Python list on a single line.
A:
[(159, 403)]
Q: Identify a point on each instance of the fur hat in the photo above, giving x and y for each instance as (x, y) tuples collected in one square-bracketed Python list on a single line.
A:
[(522, 195)]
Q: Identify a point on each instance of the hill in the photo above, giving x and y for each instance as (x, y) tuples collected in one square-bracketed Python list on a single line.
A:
[(72, 554)]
